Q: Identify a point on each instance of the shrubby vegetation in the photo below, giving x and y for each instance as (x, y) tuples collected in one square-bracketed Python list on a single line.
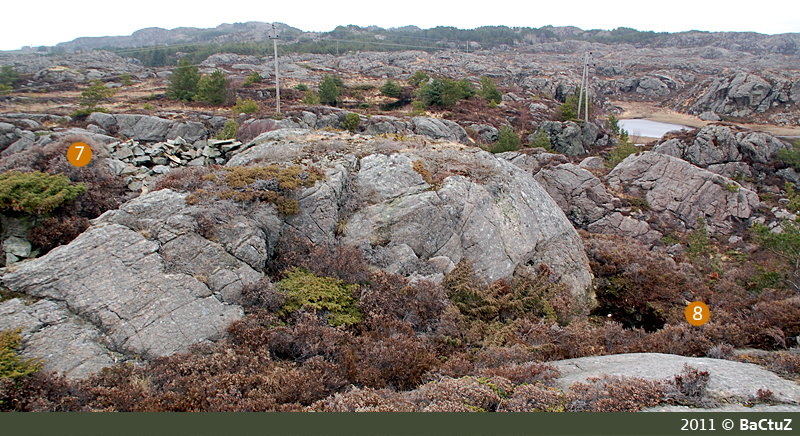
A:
[(445, 92), (569, 109), (247, 106), (351, 121), (332, 336), (92, 95), (507, 140), (11, 366), (252, 79), (8, 78), (211, 88), (489, 90), (328, 91), (48, 184), (391, 89), (228, 131), (183, 83), (36, 192)]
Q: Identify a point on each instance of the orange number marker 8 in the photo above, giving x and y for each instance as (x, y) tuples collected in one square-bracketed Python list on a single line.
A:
[(79, 154), (697, 313)]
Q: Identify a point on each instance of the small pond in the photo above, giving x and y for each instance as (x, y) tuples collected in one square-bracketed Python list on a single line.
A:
[(650, 129)]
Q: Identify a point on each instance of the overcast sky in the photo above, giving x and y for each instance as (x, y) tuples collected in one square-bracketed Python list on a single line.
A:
[(48, 22)]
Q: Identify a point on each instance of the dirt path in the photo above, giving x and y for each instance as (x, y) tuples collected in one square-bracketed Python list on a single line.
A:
[(654, 113)]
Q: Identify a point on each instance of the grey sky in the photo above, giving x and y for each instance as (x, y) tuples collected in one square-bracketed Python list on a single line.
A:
[(47, 22)]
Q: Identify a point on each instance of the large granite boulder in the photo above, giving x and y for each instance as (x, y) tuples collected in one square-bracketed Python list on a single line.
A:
[(499, 223), (439, 129), (581, 195)]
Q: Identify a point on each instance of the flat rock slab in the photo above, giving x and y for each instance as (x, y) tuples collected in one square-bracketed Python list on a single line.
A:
[(727, 379), (115, 279)]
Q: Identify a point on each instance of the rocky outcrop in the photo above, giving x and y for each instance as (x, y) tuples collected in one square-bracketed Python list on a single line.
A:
[(500, 224), (680, 192), (569, 138), (719, 144), (115, 279), (580, 194), (729, 383), (743, 94), (439, 129), (139, 282), (589, 205)]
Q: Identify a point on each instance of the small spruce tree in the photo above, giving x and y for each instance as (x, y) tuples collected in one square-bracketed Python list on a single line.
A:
[(95, 93), (351, 122), (489, 90), (328, 91), (507, 140), (211, 88), (391, 89), (183, 82)]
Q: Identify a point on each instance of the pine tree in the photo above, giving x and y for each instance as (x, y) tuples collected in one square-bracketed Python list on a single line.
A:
[(328, 91), (183, 82), (211, 88)]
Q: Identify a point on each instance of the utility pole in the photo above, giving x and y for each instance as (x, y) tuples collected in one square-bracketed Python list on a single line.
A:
[(583, 79), (274, 37), (587, 88), (584, 88)]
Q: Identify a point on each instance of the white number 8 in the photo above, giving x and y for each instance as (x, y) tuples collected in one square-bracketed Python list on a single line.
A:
[(698, 313)]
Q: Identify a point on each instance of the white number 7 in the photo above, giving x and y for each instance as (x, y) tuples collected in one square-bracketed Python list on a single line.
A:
[(80, 152)]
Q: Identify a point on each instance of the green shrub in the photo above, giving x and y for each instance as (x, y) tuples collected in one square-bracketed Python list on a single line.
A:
[(252, 79), (5, 89), (11, 366), (328, 91), (698, 240), (126, 80), (730, 187), (245, 107), (445, 92), (419, 77), (95, 93), (211, 88), (489, 90), (310, 98), (148, 107), (569, 110), (542, 140), (613, 124), (36, 192), (791, 157), (492, 104), (229, 131), (624, 149), (507, 140), (183, 83), (351, 122), (417, 108), (8, 76), (301, 87), (304, 289), (794, 199), (391, 89)]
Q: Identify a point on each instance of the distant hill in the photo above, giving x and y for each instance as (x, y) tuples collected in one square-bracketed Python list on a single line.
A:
[(156, 46)]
